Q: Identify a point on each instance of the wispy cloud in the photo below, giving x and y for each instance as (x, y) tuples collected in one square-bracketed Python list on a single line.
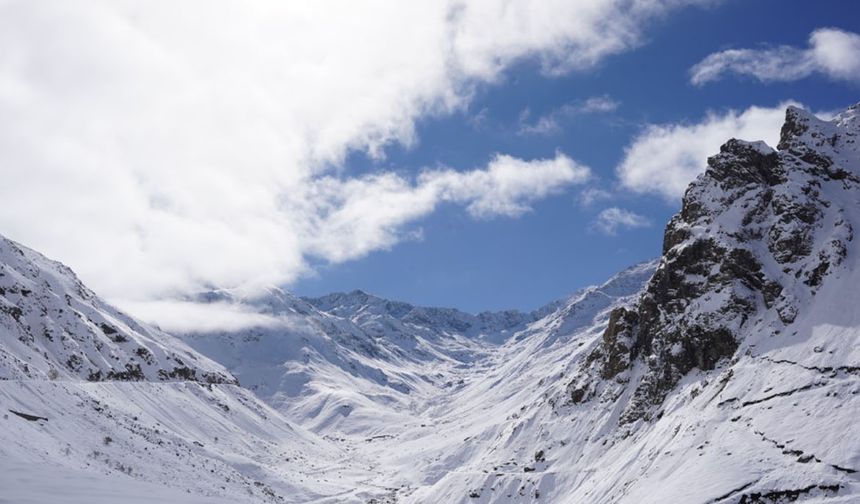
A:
[(665, 158), (591, 195), (551, 123), (596, 104), (189, 316), (613, 219), (832, 52)]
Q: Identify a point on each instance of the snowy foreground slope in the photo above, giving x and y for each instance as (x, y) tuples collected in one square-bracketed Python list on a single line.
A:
[(727, 371)]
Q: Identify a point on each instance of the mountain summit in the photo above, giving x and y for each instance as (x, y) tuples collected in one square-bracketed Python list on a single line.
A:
[(758, 235)]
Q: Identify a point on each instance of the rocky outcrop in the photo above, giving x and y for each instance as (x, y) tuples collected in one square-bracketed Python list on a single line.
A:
[(760, 230)]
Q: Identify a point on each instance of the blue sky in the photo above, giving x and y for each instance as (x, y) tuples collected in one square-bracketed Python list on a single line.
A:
[(435, 152), (554, 249)]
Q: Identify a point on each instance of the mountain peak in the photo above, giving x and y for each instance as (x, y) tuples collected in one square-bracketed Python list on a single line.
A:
[(758, 235), (804, 135)]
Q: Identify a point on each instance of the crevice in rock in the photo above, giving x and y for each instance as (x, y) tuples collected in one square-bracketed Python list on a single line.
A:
[(790, 495), (732, 492), (781, 394), (802, 457), (824, 370)]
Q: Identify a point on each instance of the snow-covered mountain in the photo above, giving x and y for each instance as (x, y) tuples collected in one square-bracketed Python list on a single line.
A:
[(98, 407), (727, 371)]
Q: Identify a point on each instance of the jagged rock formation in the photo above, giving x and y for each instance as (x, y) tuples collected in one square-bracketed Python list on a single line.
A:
[(758, 231)]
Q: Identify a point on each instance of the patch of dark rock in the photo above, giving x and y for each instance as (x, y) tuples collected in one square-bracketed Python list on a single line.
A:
[(107, 329), (74, 362), (843, 469), (779, 394), (132, 372), (27, 416), (14, 311), (792, 495), (144, 354), (732, 492), (618, 342), (180, 372)]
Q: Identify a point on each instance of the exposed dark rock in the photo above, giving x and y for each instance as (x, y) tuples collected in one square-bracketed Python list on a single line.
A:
[(788, 495), (107, 329), (132, 372), (618, 340), (27, 416)]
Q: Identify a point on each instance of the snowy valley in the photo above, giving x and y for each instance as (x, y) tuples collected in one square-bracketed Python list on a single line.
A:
[(726, 371)]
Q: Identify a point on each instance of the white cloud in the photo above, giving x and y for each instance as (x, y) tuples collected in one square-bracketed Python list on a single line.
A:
[(189, 316), (544, 125), (612, 219), (159, 147), (551, 123), (348, 219), (832, 52), (664, 159), (597, 104), (508, 184), (591, 195)]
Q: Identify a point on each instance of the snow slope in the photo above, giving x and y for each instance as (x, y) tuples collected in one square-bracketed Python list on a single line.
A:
[(28, 484)]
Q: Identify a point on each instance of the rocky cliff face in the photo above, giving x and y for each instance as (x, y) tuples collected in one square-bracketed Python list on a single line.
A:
[(758, 233)]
